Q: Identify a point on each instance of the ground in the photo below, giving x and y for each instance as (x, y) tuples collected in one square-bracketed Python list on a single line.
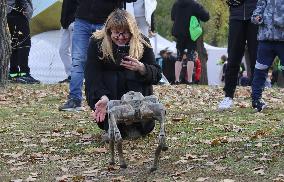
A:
[(39, 143)]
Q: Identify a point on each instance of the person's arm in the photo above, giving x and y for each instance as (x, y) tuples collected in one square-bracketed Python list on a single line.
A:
[(27, 8), (153, 22), (200, 12), (94, 85), (257, 16), (173, 12), (153, 72)]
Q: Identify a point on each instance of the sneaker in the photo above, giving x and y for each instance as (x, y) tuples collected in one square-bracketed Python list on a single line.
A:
[(67, 80), (226, 104), (71, 105), (17, 79), (188, 83), (259, 105), (176, 83), (29, 79)]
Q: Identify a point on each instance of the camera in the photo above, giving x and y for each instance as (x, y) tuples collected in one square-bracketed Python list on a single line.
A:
[(122, 51)]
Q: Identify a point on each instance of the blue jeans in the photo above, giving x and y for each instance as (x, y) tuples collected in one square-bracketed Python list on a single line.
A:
[(81, 35), (267, 51)]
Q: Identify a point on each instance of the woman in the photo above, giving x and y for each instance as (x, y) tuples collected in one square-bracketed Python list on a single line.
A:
[(108, 75)]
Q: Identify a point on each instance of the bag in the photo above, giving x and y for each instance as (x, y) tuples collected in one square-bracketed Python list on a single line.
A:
[(195, 29)]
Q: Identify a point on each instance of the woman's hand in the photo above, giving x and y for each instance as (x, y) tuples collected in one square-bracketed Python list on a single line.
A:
[(133, 64), (100, 109)]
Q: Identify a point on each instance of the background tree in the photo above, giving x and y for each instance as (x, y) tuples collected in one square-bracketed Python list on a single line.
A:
[(5, 45)]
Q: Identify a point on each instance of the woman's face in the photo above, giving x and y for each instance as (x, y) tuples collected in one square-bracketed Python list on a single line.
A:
[(120, 37)]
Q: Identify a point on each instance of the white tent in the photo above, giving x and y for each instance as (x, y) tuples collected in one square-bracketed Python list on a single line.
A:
[(44, 58), (46, 65)]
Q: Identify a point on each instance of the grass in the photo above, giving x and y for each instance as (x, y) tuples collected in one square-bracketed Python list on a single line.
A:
[(39, 143)]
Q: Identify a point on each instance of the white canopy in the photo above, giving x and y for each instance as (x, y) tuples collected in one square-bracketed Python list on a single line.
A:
[(46, 65)]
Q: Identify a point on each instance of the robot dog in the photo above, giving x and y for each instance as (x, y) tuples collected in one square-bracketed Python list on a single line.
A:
[(132, 108)]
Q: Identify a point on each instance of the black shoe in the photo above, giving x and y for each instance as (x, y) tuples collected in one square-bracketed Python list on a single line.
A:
[(29, 79), (71, 105), (258, 105), (17, 79), (176, 83), (67, 80)]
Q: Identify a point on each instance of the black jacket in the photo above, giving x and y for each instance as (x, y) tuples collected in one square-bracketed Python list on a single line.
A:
[(181, 12), (68, 12), (104, 77), (97, 11), (243, 11)]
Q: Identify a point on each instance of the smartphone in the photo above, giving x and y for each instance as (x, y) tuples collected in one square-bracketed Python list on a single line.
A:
[(122, 51)]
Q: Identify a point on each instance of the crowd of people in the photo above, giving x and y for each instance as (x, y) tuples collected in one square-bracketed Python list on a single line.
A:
[(174, 71), (107, 44)]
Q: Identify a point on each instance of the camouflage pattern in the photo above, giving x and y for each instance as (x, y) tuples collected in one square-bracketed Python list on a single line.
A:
[(271, 24)]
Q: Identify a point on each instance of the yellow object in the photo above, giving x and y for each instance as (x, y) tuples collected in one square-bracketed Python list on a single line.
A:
[(49, 19)]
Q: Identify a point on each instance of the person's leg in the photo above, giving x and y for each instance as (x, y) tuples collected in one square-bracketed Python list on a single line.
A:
[(81, 35), (178, 64), (252, 43), (12, 24), (191, 56), (177, 71), (265, 57), (24, 46), (65, 49), (236, 45)]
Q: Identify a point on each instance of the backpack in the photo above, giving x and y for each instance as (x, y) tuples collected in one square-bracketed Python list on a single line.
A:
[(195, 29)]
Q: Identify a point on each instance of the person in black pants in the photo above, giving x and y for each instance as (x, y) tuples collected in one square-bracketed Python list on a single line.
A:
[(241, 33), (19, 14)]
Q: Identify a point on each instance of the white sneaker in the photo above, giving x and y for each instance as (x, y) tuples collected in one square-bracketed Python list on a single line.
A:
[(226, 104)]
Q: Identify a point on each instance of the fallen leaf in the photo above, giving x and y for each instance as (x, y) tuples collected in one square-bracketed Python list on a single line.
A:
[(177, 119), (215, 142), (227, 180), (201, 179)]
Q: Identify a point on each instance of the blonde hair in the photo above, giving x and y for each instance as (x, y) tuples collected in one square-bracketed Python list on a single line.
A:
[(121, 20)]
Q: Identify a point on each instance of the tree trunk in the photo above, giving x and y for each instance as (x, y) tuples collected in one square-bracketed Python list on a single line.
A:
[(203, 56), (5, 45)]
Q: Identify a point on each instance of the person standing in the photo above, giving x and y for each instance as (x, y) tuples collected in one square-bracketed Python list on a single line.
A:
[(242, 32), (269, 16), (19, 12), (67, 18), (181, 13), (89, 17)]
